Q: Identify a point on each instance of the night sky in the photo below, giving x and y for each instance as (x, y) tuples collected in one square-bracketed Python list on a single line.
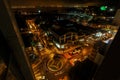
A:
[(62, 3), (50, 2)]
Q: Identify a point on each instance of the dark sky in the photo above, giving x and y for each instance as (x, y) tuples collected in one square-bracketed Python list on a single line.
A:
[(52, 2), (26, 3)]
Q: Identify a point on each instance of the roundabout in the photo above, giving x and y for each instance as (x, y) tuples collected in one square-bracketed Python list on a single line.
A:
[(56, 63)]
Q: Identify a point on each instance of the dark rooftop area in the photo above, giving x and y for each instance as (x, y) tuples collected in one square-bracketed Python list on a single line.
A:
[(64, 26)]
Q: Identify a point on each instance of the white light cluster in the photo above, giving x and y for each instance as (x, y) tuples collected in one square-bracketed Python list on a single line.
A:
[(59, 46), (99, 34)]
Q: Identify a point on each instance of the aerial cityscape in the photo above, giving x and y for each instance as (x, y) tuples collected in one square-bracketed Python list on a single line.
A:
[(58, 40)]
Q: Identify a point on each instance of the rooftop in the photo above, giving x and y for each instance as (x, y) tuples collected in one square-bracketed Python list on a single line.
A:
[(64, 26)]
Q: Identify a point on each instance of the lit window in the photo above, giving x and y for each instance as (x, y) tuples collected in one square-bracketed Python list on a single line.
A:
[(62, 46), (58, 45)]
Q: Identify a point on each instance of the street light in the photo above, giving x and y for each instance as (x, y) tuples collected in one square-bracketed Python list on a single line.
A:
[(111, 9), (39, 11)]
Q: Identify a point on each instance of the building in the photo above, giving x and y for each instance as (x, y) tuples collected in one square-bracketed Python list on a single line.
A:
[(66, 32)]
